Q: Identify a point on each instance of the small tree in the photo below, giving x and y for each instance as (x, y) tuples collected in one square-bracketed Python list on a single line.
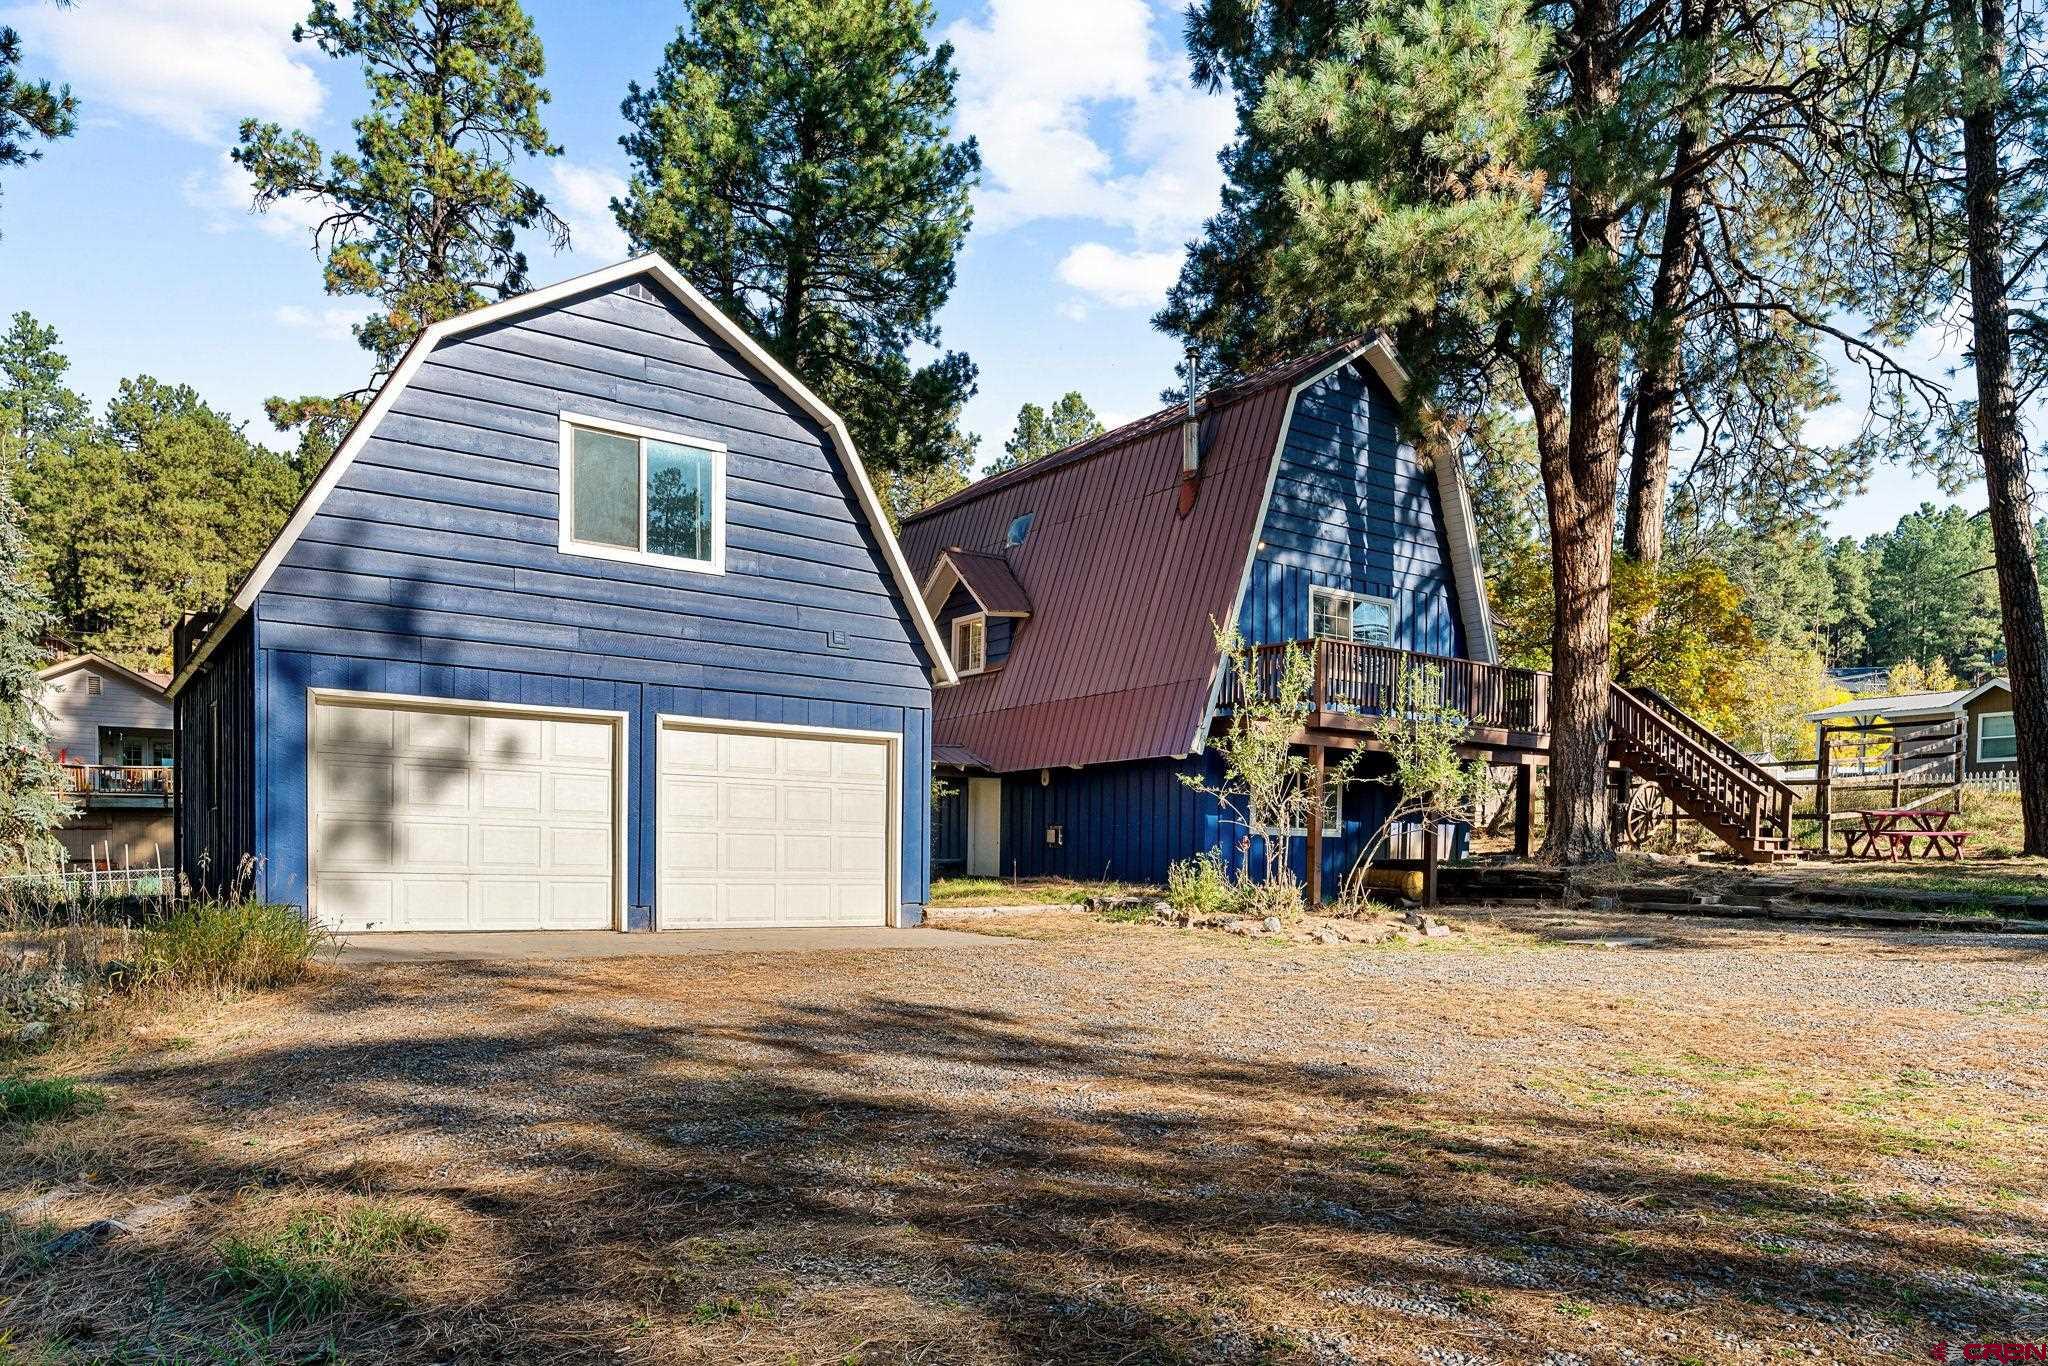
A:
[(1268, 784), (32, 798), (1434, 784)]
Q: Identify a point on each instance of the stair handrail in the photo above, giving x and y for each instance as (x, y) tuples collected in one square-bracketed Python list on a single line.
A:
[(1618, 694), (1713, 740)]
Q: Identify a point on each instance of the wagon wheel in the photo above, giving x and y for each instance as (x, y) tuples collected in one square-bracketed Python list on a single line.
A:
[(1636, 819)]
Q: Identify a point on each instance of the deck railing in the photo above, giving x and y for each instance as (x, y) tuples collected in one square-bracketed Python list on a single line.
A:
[(1365, 680), (120, 780)]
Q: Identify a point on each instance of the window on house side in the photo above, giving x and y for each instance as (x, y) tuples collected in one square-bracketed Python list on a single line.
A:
[(1334, 614), (970, 645), (92, 685), (1996, 740), (631, 494)]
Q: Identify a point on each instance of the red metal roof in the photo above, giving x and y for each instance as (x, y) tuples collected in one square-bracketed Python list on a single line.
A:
[(1118, 659)]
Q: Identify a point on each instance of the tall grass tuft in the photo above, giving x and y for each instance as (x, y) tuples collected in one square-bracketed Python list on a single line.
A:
[(223, 946), (33, 1100), (320, 1260)]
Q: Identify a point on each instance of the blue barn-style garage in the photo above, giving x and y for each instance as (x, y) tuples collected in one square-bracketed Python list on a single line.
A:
[(593, 622)]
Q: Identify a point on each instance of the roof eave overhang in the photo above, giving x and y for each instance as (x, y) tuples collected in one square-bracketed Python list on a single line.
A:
[(671, 279)]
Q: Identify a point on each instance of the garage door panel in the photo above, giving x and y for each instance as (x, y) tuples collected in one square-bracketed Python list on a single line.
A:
[(501, 848), (510, 791), (436, 734), (368, 783), (759, 829), (348, 840), (481, 820), (434, 787), (435, 844)]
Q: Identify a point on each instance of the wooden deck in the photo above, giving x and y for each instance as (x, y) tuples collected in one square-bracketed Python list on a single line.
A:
[(1353, 687)]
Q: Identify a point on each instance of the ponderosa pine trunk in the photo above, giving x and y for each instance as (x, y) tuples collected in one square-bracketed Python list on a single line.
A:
[(1579, 473), (1980, 41)]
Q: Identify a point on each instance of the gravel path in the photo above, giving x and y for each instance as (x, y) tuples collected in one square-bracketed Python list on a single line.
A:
[(1548, 1138)]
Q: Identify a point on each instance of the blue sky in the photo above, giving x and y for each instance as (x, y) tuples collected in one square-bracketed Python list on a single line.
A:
[(134, 238)]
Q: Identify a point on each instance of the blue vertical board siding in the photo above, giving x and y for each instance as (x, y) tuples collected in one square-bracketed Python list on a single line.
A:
[(1353, 509), (434, 570), (216, 759), (949, 828)]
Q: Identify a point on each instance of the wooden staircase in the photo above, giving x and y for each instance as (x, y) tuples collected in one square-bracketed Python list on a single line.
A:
[(1704, 776)]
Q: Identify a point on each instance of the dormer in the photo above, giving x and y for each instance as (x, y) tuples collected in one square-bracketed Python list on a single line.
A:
[(977, 602)]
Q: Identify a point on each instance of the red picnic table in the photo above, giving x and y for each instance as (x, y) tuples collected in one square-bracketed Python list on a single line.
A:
[(1889, 832)]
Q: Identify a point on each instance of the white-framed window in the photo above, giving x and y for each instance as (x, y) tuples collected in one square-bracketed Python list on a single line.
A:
[(1333, 814), (641, 495), (1997, 742), (970, 644), (1334, 614)]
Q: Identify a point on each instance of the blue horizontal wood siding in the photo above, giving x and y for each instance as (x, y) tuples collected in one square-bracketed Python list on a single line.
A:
[(433, 568), (1352, 508)]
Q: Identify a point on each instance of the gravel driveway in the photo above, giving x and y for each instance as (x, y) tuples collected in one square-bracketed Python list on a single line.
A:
[(1545, 1139)]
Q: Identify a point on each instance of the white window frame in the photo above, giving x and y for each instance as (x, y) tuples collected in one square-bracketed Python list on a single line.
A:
[(969, 619), (1333, 795), (2012, 758), (566, 518), (1352, 602)]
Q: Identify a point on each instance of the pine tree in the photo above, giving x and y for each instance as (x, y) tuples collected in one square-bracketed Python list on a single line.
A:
[(794, 159), (33, 800), (30, 111), (1960, 165), (37, 410), (159, 511), (1040, 432), (424, 215)]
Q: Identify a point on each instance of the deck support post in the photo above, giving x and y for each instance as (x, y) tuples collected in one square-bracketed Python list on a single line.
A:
[(1525, 810), (1823, 786), (1429, 847), (1317, 758)]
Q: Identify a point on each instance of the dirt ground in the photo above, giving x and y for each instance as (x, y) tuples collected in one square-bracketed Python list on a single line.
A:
[(1548, 1138)]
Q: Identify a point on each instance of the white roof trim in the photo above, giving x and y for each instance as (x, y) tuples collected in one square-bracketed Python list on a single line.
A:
[(730, 333), (1986, 686), (118, 669), (1466, 571)]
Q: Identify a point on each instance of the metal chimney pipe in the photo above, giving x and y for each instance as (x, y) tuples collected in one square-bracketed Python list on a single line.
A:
[(1190, 425)]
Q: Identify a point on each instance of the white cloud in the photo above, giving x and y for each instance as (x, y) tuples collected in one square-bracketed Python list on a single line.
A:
[(1039, 82), (195, 67), (583, 196), (332, 323), (1121, 279), (224, 193)]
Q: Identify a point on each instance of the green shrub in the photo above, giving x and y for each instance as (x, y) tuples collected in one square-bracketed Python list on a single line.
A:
[(223, 946), (1200, 886), (32, 1100), (320, 1260)]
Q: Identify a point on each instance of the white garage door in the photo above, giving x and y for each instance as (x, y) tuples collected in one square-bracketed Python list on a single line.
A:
[(436, 819), (765, 829)]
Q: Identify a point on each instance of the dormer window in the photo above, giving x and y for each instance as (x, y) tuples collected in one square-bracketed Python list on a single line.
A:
[(970, 645), (1020, 527), (650, 497)]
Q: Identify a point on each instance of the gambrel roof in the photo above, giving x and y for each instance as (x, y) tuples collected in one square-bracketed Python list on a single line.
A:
[(1118, 661), (660, 273)]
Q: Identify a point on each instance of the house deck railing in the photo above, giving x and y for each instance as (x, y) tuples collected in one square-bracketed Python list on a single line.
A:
[(120, 780), (1365, 680)]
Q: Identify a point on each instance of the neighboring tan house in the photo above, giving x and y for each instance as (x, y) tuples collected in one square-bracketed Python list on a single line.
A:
[(1922, 724), (110, 727), (594, 622)]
